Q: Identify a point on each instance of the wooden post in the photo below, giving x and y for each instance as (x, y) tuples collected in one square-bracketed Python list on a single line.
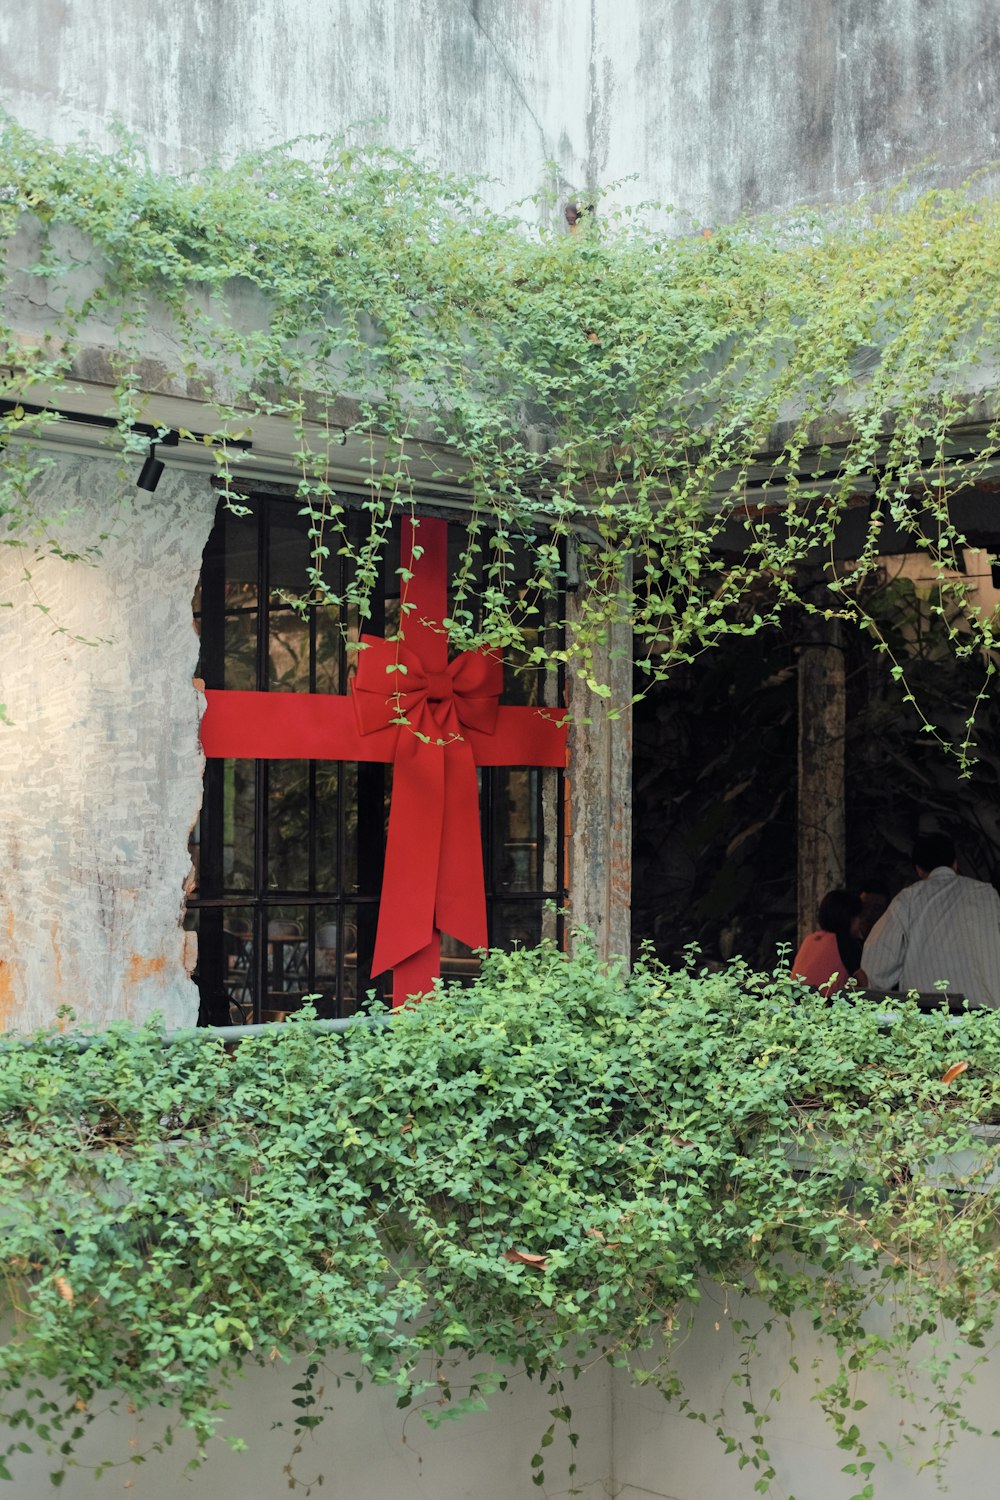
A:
[(600, 795), (822, 713)]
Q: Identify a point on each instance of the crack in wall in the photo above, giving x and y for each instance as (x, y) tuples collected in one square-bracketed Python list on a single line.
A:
[(473, 9)]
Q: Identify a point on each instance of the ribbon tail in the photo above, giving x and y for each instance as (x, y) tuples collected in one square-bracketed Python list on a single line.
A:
[(416, 975), (412, 854), (460, 907)]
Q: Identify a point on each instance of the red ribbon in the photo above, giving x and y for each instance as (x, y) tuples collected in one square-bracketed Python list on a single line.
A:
[(436, 721)]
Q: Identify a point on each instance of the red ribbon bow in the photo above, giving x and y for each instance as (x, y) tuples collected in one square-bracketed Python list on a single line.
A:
[(433, 878)]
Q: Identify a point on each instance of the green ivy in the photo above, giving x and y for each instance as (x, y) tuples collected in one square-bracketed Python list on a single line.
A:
[(613, 384), (528, 1174)]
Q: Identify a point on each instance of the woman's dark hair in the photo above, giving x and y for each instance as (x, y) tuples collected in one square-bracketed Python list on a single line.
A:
[(837, 909)]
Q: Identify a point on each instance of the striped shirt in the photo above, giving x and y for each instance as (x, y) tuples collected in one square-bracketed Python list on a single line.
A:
[(944, 930)]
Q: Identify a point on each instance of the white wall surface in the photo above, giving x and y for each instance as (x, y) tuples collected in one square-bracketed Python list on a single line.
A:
[(101, 778), (660, 1454), (633, 1446), (366, 1449), (494, 89)]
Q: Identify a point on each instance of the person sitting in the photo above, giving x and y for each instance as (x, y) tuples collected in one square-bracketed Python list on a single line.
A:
[(874, 893), (943, 931), (830, 957)]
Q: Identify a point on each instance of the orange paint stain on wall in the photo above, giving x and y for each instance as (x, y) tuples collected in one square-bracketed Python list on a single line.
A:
[(140, 968), (56, 962), (7, 998), (6, 994)]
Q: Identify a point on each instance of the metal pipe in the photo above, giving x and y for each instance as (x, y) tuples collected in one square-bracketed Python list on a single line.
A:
[(225, 1034)]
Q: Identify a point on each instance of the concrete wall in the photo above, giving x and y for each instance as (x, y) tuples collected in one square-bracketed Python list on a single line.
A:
[(716, 107), (366, 1449), (633, 1445), (102, 768), (661, 1454), (730, 106), (496, 89)]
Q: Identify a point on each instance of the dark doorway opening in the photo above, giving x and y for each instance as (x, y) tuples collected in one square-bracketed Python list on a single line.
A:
[(716, 774)]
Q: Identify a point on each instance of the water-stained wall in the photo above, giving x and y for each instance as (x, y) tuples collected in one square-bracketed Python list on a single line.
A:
[(716, 108)]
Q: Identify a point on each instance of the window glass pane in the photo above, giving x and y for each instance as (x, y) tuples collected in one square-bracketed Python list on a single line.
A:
[(237, 927), (515, 829), (290, 553), (240, 667), (458, 961), (288, 653), (237, 826), (289, 810), (516, 924), (348, 826), (336, 958), (288, 961), (329, 646), (328, 776), (240, 542)]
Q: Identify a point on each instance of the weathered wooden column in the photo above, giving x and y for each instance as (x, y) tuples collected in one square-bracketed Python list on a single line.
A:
[(822, 714), (599, 858)]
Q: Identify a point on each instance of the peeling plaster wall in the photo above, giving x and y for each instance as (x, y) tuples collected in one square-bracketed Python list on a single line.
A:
[(101, 770)]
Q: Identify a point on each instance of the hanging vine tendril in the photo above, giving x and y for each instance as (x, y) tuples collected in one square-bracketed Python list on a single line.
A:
[(639, 393)]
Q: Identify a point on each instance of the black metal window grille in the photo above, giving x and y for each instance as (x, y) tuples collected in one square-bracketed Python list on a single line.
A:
[(288, 855)]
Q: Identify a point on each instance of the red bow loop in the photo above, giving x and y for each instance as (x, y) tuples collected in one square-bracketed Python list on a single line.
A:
[(392, 684), (389, 685)]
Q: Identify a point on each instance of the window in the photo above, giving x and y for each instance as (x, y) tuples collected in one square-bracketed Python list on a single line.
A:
[(288, 854)]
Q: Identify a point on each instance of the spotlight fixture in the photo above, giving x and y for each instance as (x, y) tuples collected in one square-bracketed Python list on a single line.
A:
[(152, 467), (149, 474)]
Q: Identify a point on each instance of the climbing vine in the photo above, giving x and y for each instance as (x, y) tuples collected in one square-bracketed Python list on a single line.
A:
[(526, 1176), (637, 396)]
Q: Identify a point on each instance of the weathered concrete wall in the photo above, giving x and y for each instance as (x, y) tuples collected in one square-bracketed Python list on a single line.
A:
[(733, 106), (718, 107), (102, 769), (492, 87)]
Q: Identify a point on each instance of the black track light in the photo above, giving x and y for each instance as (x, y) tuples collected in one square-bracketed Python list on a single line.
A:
[(152, 467), (149, 474)]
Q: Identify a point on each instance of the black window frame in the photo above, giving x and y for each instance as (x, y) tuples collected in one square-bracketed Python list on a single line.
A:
[(216, 911)]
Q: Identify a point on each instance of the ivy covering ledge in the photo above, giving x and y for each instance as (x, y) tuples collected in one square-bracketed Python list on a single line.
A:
[(529, 1174), (635, 389)]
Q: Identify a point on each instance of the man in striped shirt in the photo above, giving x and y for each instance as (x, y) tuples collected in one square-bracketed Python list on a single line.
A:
[(942, 931)]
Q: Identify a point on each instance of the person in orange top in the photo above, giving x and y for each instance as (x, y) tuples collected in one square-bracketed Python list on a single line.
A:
[(830, 957)]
